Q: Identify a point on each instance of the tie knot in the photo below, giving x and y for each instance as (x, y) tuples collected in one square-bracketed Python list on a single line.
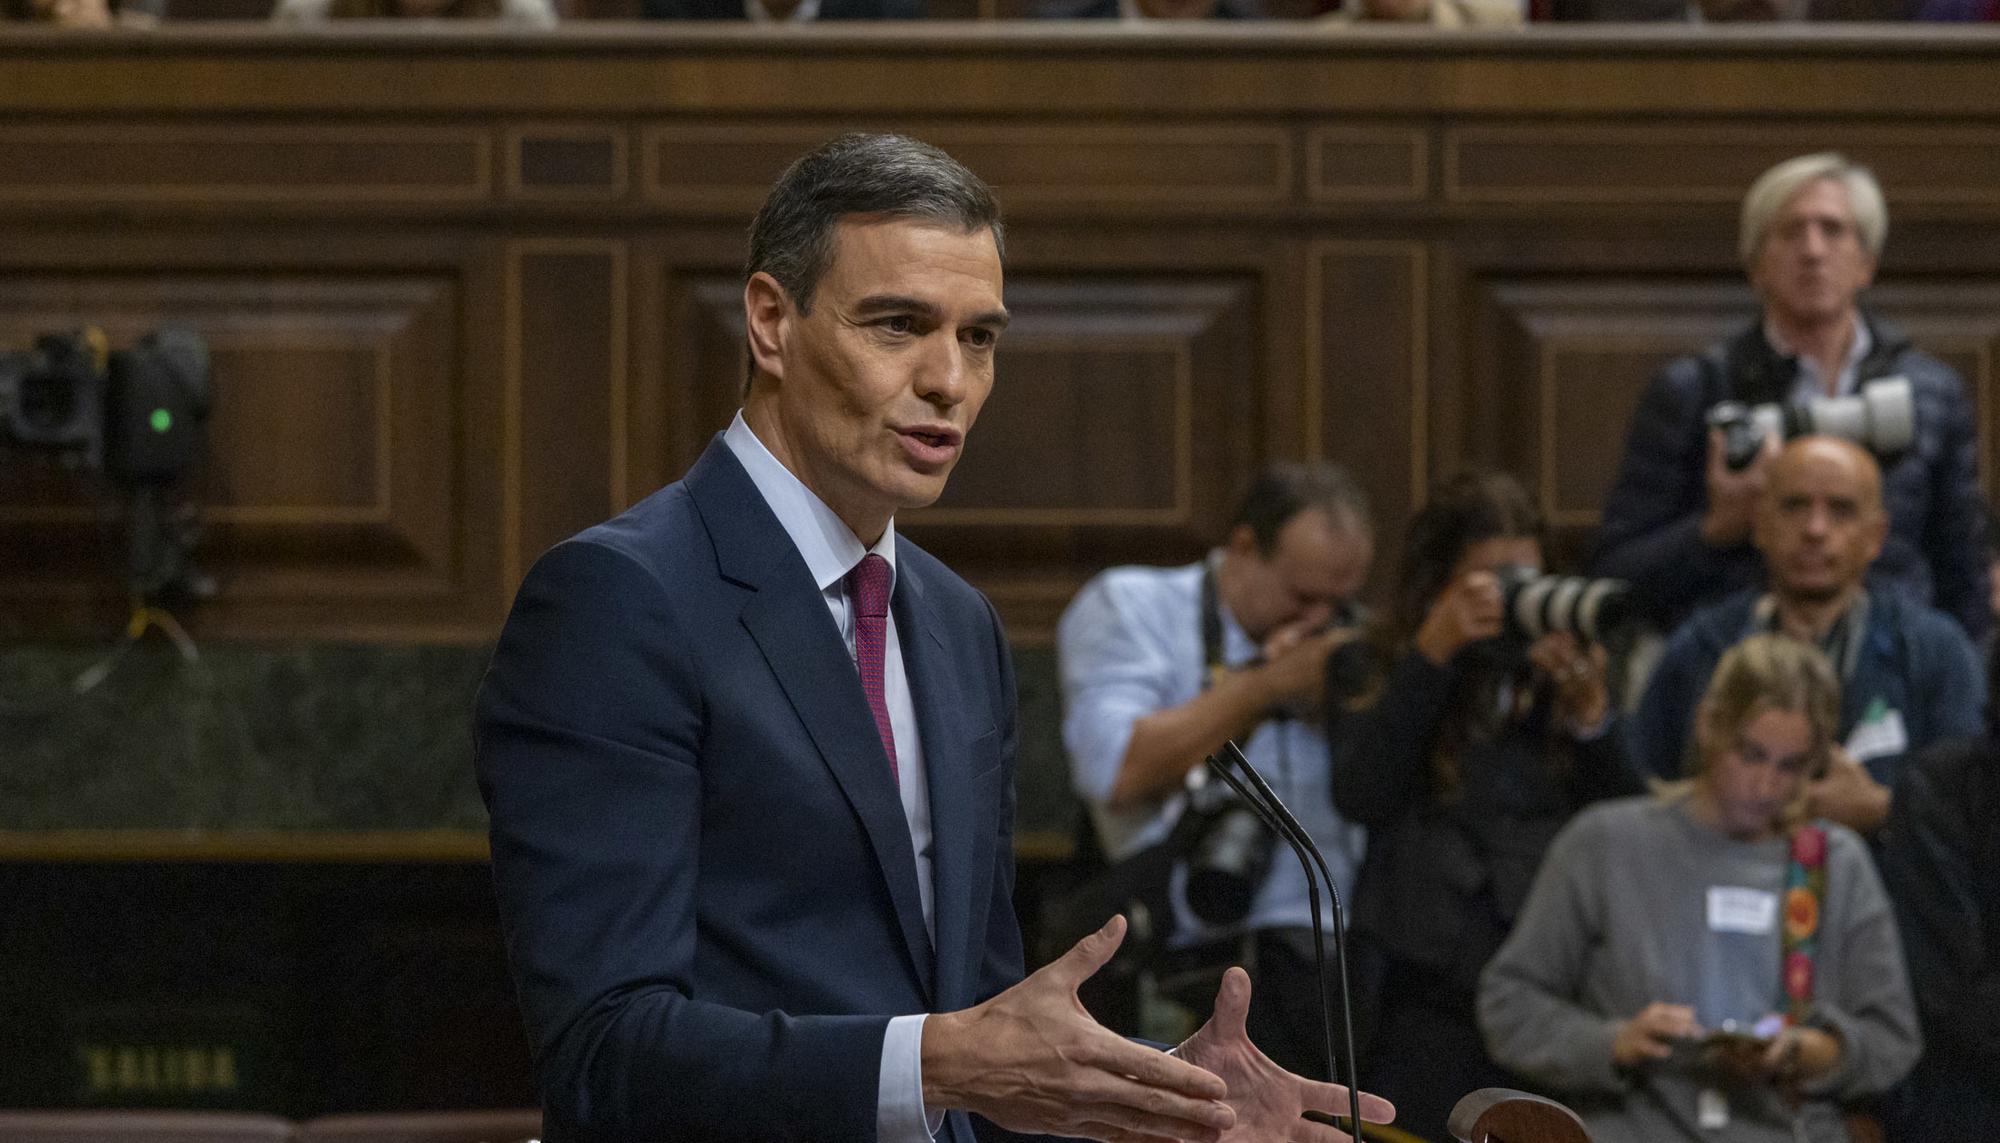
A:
[(869, 581)]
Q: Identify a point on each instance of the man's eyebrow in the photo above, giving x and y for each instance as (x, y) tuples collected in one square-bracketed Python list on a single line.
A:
[(898, 303), (894, 303)]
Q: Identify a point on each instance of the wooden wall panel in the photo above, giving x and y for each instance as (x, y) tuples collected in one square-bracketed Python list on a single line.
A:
[(1218, 166), (1368, 375), (566, 392), (471, 292), (207, 162), (1653, 163), (331, 447)]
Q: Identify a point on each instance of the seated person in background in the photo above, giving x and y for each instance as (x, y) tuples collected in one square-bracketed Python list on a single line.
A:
[(1161, 666), (530, 13), (782, 11), (1657, 920), (1908, 674), (85, 13), (1677, 523), (1437, 13), (1463, 760), (1695, 11), (1151, 10), (1940, 859)]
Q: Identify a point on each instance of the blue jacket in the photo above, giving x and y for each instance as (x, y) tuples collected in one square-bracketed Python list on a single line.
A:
[(1914, 661), (1651, 531), (704, 871)]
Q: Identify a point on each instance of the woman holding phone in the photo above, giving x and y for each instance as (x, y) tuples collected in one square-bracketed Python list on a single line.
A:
[(1703, 964)]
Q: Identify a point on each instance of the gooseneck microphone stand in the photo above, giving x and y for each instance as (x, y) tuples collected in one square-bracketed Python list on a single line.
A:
[(1265, 803)]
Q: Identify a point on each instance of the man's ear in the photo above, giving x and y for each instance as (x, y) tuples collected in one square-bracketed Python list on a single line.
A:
[(1243, 541), (1878, 528), (767, 318)]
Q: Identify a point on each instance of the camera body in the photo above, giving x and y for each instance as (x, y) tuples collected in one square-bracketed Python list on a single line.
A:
[(1882, 418), (136, 414), (1230, 854), (1536, 603)]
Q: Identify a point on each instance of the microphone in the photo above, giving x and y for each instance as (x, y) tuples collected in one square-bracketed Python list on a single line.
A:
[(1258, 795)]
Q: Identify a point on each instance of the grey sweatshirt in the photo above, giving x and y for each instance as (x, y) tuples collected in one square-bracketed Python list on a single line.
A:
[(1638, 902)]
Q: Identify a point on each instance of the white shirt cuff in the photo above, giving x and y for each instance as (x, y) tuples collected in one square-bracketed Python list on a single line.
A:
[(900, 1114)]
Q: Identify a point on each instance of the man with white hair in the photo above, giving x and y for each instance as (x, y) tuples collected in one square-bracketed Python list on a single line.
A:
[(1678, 521)]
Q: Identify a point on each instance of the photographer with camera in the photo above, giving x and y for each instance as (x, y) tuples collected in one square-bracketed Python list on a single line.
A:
[(1471, 745), (1161, 666), (1909, 677), (1677, 523)]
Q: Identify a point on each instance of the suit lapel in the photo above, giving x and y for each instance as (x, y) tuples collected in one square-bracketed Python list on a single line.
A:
[(961, 844), (788, 621)]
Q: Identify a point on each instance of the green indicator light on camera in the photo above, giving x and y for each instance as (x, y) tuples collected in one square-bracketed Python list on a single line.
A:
[(161, 420)]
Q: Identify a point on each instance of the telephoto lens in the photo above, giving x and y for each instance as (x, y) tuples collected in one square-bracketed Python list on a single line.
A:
[(1536, 604), (1882, 418)]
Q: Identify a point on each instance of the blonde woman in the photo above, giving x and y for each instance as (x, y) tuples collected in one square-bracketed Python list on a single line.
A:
[(1702, 964)]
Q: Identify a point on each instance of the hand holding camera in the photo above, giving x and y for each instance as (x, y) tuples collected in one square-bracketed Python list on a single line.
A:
[(1293, 664), (1578, 674), (1468, 610), (1733, 490)]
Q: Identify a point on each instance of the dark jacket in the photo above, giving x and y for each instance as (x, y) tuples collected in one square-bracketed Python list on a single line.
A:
[(1445, 875), (1941, 864), (704, 873), (1914, 661), (1651, 532)]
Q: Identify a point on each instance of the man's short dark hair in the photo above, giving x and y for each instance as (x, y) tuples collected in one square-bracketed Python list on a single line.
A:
[(1286, 488), (893, 175)]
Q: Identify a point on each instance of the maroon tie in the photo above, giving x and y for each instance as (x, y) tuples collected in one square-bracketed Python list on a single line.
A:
[(869, 584)]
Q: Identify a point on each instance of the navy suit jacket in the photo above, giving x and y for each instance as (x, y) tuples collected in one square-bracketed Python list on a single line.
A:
[(705, 876)]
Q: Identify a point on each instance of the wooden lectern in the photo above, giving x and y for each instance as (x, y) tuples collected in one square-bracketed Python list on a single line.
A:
[(1502, 1115)]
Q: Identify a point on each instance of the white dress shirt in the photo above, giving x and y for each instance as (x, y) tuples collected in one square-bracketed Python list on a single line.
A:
[(1811, 385), (831, 549)]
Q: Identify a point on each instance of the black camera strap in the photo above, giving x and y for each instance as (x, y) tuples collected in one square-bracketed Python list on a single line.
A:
[(1211, 627)]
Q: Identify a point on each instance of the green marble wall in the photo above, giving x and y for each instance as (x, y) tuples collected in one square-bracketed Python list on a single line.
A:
[(307, 737)]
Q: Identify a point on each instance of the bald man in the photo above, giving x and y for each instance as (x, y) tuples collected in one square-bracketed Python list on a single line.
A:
[(1909, 677)]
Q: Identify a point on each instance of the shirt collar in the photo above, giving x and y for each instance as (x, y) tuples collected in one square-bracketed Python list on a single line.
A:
[(1237, 646), (756, 13), (829, 546), (1809, 370)]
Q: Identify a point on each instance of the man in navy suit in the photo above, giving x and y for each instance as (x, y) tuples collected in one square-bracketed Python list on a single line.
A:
[(750, 756)]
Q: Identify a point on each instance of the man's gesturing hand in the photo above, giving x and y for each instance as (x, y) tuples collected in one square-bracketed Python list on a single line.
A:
[(1269, 1101), (1031, 1059)]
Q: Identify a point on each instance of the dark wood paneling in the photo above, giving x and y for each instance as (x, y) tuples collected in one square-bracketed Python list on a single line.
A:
[(179, 161), (566, 391), (550, 162), (1367, 164), (472, 291), (332, 451), (1213, 166), (1368, 372), (1646, 163)]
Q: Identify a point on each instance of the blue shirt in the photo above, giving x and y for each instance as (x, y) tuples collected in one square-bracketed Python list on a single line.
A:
[(1129, 646)]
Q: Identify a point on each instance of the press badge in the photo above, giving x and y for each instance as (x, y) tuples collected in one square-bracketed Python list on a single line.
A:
[(1711, 1109), (1879, 734), (1732, 909)]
